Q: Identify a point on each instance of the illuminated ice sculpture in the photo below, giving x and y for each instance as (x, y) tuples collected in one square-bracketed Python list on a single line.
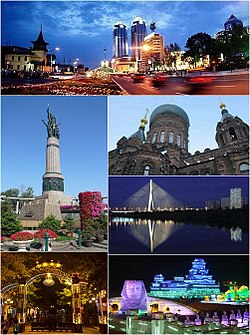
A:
[(197, 284), (134, 295)]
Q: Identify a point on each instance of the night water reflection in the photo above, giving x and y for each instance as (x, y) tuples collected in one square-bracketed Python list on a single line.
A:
[(129, 235)]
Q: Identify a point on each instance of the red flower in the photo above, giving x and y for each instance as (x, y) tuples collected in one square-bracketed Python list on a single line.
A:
[(22, 236), (40, 233)]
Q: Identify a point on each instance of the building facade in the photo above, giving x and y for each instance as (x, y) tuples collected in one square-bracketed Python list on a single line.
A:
[(16, 58), (138, 33), (164, 149), (152, 51), (120, 40)]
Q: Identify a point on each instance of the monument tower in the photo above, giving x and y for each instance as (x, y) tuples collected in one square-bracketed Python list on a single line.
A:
[(53, 181)]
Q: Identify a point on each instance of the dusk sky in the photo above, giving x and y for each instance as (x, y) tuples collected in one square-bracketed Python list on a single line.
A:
[(83, 142), (191, 191), (204, 113), (137, 267), (82, 29)]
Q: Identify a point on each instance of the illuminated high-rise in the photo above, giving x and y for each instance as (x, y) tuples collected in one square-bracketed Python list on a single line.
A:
[(152, 50), (236, 200), (120, 40), (138, 33)]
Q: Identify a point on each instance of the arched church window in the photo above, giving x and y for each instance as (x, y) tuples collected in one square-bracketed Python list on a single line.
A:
[(171, 137), (147, 169), (179, 140), (162, 137), (184, 144), (244, 168), (154, 137), (232, 133)]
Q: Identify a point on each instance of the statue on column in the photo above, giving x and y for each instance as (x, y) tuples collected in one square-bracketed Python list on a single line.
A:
[(52, 126)]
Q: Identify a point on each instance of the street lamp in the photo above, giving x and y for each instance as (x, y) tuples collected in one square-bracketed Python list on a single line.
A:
[(75, 64), (56, 49)]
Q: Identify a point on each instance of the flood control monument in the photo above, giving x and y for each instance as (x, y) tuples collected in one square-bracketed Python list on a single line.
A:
[(53, 195)]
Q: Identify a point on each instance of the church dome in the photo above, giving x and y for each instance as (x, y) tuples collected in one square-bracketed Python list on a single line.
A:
[(171, 110)]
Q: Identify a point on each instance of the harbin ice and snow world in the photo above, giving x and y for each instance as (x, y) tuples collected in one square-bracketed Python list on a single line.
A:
[(166, 308)]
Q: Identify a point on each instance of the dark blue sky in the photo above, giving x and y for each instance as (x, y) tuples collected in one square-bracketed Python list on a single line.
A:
[(191, 191), (223, 268), (83, 28)]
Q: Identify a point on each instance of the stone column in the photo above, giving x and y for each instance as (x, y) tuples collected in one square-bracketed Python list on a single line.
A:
[(53, 179)]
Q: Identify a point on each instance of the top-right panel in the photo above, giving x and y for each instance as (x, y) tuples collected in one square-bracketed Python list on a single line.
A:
[(125, 47)]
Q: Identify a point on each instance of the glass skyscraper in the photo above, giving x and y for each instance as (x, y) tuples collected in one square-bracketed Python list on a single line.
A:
[(120, 40), (138, 33)]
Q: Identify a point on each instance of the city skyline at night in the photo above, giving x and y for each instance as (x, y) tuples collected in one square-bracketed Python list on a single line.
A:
[(88, 25)]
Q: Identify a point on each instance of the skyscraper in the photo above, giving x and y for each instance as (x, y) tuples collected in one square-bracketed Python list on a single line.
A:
[(120, 40), (235, 198), (152, 50), (138, 33)]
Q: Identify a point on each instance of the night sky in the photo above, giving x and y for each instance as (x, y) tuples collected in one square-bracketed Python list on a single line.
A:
[(82, 29), (223, 268), (191, 191)]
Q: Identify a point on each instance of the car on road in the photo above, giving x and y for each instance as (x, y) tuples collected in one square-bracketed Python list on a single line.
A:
[(138, 77), (158, 79)]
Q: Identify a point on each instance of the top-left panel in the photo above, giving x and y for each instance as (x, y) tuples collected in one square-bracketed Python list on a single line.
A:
[(125, 47)]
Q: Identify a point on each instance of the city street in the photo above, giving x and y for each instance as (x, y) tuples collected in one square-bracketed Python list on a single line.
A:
[(221, 84)]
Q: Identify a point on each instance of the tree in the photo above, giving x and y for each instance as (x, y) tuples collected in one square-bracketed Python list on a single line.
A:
[(170, 54), (18, 192), (9, 223), (13, 266), (69, 224), (28, 193), (11, 192), (50, 222), (174, 47), (198, 45)]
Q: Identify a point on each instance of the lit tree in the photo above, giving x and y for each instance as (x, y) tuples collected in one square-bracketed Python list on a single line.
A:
[(198, 46)]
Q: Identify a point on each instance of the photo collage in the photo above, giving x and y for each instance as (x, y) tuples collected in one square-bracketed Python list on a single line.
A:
[(124, 167)]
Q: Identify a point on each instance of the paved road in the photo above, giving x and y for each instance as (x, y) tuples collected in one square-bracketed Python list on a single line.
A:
[(221, 84), (67, 247), (86, 330)]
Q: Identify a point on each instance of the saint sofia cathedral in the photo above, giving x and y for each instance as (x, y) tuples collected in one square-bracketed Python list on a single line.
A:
[(163, 150)]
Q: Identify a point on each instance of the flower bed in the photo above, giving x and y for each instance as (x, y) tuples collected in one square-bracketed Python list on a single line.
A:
[(90, 86), (22, 236), (40, 233)]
